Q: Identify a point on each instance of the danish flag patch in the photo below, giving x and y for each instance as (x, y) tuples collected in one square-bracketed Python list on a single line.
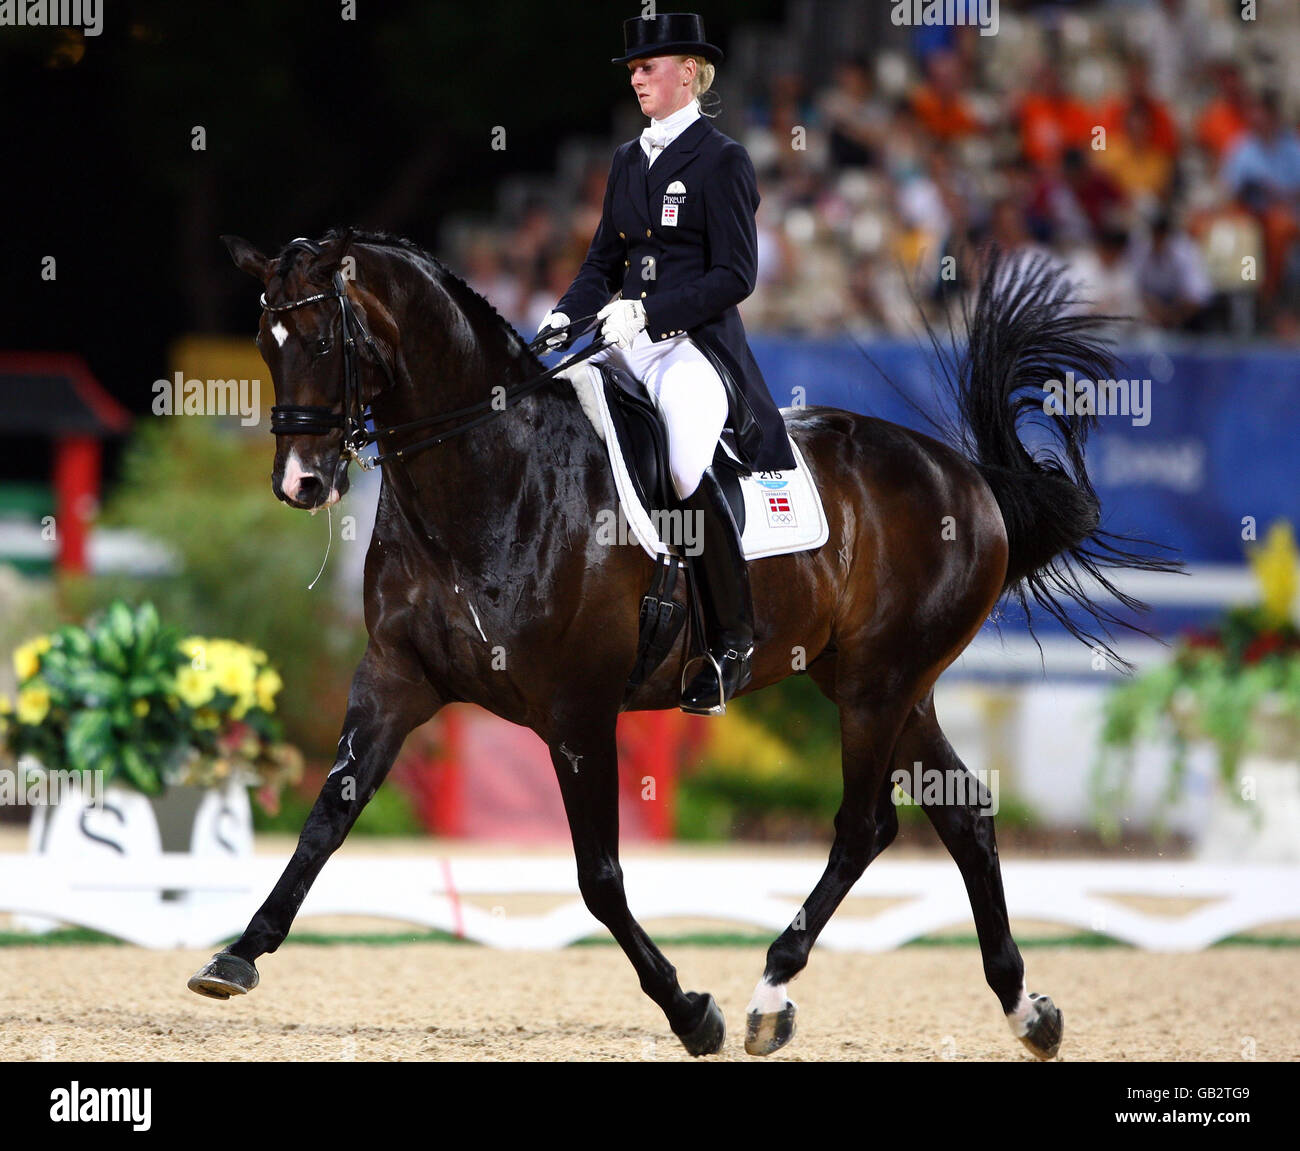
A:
[(780, 511)]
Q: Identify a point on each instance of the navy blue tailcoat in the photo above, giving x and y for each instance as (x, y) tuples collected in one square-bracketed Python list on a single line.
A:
[(681, 238)]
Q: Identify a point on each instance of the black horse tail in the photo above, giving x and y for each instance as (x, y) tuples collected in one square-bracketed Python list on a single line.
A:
[(1027, 331)]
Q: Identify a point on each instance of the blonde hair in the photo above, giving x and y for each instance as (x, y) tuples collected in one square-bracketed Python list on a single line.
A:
[(703, 81)]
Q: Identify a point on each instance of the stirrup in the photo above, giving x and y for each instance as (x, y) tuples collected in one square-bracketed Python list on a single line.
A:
[(721, 708)]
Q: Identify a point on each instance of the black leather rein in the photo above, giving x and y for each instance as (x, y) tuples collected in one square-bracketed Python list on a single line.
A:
[(317, 420)]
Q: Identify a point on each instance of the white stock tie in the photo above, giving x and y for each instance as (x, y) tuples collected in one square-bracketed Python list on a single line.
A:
[(657, 137)]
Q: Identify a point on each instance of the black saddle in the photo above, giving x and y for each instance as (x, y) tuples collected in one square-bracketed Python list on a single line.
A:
[(643, 440)]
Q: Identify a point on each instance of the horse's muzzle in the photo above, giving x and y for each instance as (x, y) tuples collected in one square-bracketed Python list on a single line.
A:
[(310, 488)]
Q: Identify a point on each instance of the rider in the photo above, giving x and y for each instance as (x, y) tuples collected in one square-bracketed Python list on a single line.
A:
[(677, 237)]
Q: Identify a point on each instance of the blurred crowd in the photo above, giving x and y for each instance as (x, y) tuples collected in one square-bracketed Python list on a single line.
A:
[(1152, 152)]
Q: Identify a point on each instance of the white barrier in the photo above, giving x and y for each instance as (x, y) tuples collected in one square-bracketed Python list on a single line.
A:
[(123, 897)]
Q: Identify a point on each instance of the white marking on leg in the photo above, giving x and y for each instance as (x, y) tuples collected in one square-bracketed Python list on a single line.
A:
[(1023, 1015), (769, 998), (344, 759), (280, 332), (476, 623)]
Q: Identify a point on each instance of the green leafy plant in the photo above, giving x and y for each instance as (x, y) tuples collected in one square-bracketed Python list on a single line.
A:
[(1235, 685), (127, 697), (244, 562)]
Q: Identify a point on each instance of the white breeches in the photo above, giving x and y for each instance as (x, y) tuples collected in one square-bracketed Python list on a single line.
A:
[(688, 393)]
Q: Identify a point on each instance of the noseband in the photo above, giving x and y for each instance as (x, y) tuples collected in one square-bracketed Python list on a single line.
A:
[(318, 420)]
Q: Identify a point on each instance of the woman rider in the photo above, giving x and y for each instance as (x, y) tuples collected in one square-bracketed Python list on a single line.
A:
[(677, 238)]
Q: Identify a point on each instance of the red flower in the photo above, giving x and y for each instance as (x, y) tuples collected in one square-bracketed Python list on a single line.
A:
[(1264, 644), (234, 736), (269, 798)]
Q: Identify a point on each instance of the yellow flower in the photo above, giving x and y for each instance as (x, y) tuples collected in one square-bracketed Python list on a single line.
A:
[(27, 658), (269, 684), (194, 686), (229, 665), (234, 675), (223, 665), (1275, 563), (33, 704), (6, 705)]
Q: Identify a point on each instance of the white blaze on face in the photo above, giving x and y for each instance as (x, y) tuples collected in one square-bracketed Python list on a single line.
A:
[(280, 332)]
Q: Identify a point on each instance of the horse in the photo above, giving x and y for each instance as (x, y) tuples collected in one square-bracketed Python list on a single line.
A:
[(485, 581)]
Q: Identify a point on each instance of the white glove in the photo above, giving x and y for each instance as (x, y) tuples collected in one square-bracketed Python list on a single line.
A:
[(623, 320), (555, 320)]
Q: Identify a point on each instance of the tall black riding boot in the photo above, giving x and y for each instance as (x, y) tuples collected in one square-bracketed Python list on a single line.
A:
[(723, 579)]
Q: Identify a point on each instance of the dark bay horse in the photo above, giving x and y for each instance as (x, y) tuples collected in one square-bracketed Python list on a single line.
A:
[(485, 582)]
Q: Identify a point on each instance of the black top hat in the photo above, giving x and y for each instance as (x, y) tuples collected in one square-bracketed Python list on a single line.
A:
[(667, 34)]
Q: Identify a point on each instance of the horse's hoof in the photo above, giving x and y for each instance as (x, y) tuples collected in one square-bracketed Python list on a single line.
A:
[(223, 976), (768, 1032), (707, 1036), (1043, 1036)]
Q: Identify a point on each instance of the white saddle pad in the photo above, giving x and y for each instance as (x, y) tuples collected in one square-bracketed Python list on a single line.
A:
[(783, 510)]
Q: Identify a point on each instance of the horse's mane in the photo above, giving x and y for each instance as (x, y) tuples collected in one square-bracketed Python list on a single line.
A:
[(486, 320)]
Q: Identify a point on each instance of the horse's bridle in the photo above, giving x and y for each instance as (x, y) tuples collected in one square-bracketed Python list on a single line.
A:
[(319, 420), (315, 419)]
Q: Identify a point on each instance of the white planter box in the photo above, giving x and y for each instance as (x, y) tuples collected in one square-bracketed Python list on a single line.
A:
[(201, 822), (1265, 829)]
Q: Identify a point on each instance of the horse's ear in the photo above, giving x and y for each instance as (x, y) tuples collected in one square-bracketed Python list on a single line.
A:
[(248, 258), (331, 255)]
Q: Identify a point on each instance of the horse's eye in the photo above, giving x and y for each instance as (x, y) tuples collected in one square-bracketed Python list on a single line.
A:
[(320, 347)]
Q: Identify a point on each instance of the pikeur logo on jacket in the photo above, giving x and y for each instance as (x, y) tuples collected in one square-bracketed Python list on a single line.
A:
[(679, 236)]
